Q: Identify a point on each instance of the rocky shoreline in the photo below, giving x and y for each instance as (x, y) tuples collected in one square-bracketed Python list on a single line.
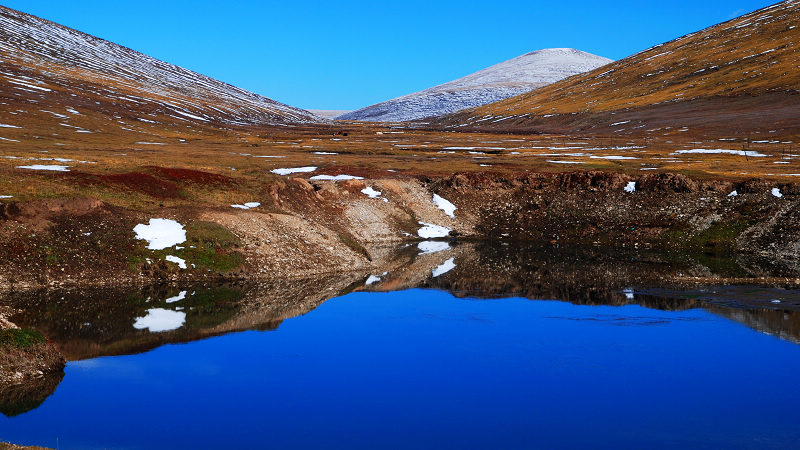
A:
[(25, 355)]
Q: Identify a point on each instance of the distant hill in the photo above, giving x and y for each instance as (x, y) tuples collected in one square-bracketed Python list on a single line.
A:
[(54, 78), (498, 82), (740, 77), (329, 113)]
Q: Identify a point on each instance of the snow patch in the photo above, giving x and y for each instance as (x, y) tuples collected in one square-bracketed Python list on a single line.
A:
[(630, 187), (161, 233), (556, 161), (613, 157), (431, 231), (444, 205), (51, 168), (248, 205), (710, 151), (371, 193), (335, 178), (293, 170), (174, 259)]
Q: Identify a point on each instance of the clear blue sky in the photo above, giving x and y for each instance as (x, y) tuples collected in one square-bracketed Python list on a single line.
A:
[(350, 54)]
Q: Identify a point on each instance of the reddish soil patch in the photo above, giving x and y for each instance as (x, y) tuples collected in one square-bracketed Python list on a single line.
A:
[(142, 182), (135, 181), (193, 176)]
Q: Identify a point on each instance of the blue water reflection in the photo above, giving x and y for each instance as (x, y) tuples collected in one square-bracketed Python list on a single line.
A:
[(422, 369)]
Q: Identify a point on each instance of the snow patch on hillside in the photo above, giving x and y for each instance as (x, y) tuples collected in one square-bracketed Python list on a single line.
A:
[(444, 205), (431, 231), (161, 233), (289, 171)]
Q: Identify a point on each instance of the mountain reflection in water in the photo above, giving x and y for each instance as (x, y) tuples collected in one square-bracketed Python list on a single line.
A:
[(92, 323), (88, 323)]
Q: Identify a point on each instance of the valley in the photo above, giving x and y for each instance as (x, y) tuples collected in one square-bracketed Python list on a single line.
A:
[(669, 179)]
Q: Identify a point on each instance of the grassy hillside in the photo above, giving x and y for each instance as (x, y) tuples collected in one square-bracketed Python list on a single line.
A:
[(58, 85), (737, 77)]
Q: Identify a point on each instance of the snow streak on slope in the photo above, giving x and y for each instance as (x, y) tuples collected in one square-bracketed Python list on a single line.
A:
[(506, 79), (42, 57)]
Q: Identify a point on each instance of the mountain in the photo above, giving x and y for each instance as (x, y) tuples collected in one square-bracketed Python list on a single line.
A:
[(500, 81), (51, 75), (738, 77), (329, 113)]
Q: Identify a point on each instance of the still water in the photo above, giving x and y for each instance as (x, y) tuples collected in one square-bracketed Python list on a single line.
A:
[(420, 368)]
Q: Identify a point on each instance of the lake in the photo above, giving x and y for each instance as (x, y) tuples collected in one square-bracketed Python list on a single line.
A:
[(432, 367)]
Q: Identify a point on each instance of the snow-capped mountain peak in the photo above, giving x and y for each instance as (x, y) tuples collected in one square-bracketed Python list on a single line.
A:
[(500, 81)]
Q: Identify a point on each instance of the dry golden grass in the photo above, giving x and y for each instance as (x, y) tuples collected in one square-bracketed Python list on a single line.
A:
[(367, 151), (750, 56)]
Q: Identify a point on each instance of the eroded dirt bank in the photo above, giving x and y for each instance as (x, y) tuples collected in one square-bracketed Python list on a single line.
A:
[(307, 228), (658, 210), (27, 359)]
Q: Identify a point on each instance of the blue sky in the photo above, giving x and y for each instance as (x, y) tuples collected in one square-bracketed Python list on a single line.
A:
[(350, 54)]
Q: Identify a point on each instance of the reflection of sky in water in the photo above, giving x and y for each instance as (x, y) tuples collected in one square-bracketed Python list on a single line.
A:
[(420, 369), (624, 321)]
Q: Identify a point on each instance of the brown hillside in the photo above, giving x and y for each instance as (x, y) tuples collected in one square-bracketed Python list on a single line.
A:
[(59, 82), (735, 78)]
